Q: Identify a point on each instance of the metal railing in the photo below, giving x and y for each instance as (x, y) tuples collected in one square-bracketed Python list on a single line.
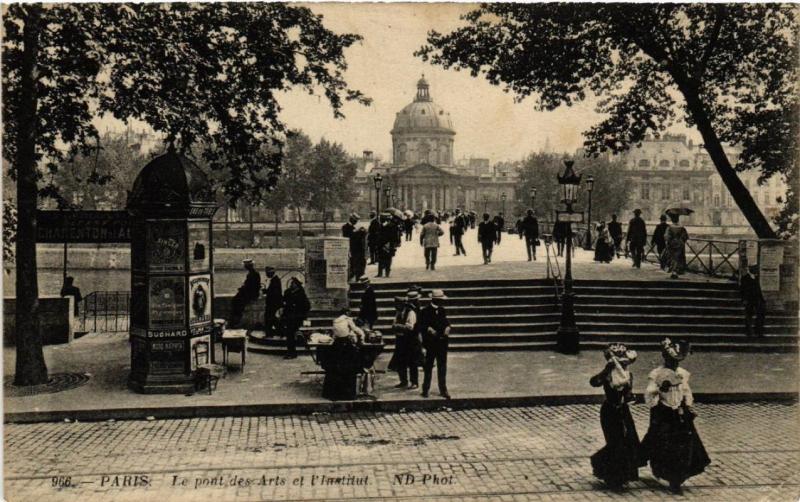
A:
[(106, 311), (716, 258)]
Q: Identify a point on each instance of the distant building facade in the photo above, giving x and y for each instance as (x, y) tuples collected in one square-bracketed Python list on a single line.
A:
[(673, 172)]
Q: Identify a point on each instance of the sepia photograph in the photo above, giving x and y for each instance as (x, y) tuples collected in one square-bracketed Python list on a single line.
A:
[(401, 251)]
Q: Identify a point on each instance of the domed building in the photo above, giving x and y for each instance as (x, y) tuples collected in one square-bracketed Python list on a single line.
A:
[(423, 173)]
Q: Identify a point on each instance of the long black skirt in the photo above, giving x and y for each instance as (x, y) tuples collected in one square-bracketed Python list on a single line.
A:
[(673, 445), (619, 460), (407, 352)]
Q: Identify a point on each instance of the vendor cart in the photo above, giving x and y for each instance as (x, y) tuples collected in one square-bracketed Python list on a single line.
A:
[(343, 362)]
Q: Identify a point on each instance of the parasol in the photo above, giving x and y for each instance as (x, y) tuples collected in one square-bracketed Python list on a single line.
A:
[(394, 211), (679, 211)]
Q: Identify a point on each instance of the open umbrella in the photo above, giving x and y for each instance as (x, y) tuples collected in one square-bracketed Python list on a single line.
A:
[(394, 211), (679, 211)]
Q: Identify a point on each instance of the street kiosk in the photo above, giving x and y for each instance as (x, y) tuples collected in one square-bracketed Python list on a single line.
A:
[(172, 280)]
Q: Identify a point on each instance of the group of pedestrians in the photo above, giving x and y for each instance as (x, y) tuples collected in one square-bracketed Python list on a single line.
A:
[(284, 311), (421, 339), (671, 445)]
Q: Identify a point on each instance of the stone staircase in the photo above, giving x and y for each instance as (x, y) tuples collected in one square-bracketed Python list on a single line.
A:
[(521, 314)]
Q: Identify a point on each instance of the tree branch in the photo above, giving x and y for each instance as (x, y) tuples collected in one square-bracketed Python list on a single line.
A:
[(721, 15)]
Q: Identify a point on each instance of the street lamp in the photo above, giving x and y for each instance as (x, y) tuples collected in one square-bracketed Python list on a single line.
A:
[(378, 180), (533, 197), (567, 335), (587, 245), (503, 198), (388, 192), (485, 200)]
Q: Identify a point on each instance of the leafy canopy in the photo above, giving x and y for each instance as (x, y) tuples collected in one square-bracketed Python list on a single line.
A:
[(203, 75), (729, 69)]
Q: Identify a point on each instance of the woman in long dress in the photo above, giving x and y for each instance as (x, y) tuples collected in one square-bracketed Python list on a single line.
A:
[(603, 251), (672, 444), (619, 460), (676, 237)]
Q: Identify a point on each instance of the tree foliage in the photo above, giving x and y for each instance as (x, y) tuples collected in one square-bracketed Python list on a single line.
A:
[(540, 170), (202, 75), (728, 69), (331, 174)]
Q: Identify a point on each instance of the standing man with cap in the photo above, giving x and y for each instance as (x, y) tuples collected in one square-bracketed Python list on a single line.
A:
[(387, 244), (429, 240), (659, 240), (247, 293), (350, 227), (407, 357), (499, 225), (372, 237), (487, 235), (530, 228), (295, 311), (272, 301), (637, 238), (458, 229), (358, 252), (615, 232), (435, 330), (369, 305)]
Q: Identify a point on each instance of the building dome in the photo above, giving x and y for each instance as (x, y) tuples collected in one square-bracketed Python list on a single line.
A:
[(423, 132), (422, 114)]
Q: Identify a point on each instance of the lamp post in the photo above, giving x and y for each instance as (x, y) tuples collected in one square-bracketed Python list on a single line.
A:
[(503, 198), (533, 197), (388, 192), (567, 335), (587, 245), (485, 200), (378, 180)]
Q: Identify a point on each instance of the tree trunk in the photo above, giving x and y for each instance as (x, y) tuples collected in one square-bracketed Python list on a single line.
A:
[(277, 218), (300, 224), (736, 188), (30, 365)]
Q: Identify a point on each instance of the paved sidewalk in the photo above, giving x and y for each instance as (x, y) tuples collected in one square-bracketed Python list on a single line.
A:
[(271, 385)]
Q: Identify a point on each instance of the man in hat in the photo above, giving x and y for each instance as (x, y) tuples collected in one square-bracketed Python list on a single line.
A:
[(529, 228), (637, 237), (247, 293), (350, 227), (70, 289), (369, 305), (615, 232), (753, 300), (487, 235), (372, 237), (272, 301), (458, 229), (659, 240), (408, 350), (499, 225), (387, 244), (358, 252), (429, 240), (435, 330), (295, 311)]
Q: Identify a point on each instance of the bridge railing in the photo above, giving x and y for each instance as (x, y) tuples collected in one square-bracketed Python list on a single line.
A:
[(106, 311), (713, 257)]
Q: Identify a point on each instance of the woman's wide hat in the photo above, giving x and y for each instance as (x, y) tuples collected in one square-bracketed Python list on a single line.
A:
[(438, 294), (621, 352), (677, 350)]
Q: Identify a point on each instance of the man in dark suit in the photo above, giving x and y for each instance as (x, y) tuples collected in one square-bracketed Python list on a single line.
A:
[(369, 305), (637, 237), (388, 240), (247, 293), (487, 235), (350, 227), (295, 311), (435, 331), (358, 252), (615, 232), (659, 241), (458, 229), (560, 236), (372, 237), (530, 228), (499, 225), (272, 301), (754, 303)]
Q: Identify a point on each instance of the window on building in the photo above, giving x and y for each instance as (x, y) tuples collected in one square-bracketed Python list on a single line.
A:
[(685, 163), (686, 194), (401, 153), (663, 163), (645, 191), (644, 163), (665, 192)]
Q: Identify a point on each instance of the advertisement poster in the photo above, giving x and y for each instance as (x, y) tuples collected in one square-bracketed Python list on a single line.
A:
[(336, 254), (199, 299), (165, 246), (771, 259), (199, 247), (167, 299)]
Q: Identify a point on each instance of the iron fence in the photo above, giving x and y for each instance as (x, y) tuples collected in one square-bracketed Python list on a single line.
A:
[(106, 311)]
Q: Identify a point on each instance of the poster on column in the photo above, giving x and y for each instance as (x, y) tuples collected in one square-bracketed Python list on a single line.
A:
[(166, 302), (771, 257), (199, 299), (336, 253), (165, 246)]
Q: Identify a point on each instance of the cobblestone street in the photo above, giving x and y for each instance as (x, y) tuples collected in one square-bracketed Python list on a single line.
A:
[(536, 453)]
